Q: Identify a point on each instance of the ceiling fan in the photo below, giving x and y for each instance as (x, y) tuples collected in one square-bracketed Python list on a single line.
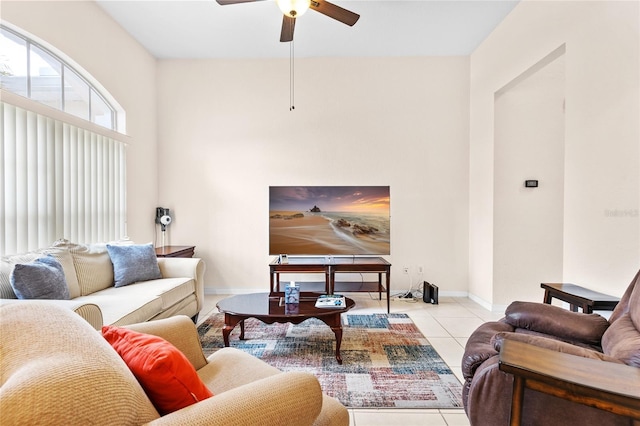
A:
[(295, 8)]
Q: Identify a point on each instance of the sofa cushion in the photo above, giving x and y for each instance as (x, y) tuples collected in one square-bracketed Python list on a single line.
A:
[(42, 278), (66, 260), (92, 263), (133, 263), (7, 263), (125, 305), (165, 373), (170, 290), (634, 303), (622, 341)]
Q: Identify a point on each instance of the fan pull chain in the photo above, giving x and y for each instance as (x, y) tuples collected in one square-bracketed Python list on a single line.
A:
[(291, 77)]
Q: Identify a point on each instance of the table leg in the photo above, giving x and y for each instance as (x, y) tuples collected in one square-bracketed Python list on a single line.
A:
[(226, 330), (230, 322), (332, 280), (338, 332), (335, 323), (516, 401), (388, 291), (547, 297)]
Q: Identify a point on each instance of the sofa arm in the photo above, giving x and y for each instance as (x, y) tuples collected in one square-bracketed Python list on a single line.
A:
[(191, 267), (287, 399), (555, 321), (89, 311), (180, 332)]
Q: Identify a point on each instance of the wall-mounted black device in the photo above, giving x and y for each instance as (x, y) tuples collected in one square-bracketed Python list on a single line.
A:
[(163, 217), (429, 293), (531, 183)]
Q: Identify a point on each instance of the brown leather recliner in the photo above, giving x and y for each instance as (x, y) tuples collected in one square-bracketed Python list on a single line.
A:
[(487, 390)]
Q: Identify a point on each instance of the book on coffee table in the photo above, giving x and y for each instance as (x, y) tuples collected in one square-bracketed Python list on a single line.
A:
[(331, 301)]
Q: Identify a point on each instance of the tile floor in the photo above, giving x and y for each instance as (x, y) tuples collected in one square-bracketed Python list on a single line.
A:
[(446, 325)]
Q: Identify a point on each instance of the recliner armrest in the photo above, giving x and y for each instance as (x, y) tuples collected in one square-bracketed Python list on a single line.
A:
[(608, 386), (479, 347), (552, 344), (555, 321), (287, 399)]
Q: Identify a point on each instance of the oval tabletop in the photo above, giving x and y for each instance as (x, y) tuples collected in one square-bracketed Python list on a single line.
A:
[(261, 304)]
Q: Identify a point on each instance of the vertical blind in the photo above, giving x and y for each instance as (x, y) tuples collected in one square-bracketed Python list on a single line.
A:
[(58, 180)]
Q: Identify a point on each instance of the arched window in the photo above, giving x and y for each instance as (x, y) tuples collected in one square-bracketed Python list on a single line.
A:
[(62, 159), (29, 69)]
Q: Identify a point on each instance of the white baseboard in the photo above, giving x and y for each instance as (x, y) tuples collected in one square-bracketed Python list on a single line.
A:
[(488, 306)]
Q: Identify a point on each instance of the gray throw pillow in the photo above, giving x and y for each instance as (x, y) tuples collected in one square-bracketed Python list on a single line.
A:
[(133, 263), (41, 279)]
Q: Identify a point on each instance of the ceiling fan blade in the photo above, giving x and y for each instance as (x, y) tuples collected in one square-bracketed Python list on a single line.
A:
[(226, 2), (288, 25), (336, 12)]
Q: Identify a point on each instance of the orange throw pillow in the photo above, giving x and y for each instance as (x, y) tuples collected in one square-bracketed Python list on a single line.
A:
[(165, 373)]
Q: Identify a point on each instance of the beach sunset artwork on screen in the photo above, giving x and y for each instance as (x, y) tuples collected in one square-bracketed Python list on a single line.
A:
[(329, 220)]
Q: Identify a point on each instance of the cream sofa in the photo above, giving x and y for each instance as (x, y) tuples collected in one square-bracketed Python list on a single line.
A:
[(89, 275), (57, 370)]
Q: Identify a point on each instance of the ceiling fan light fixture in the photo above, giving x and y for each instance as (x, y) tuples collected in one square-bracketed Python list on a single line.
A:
[(293, 8)]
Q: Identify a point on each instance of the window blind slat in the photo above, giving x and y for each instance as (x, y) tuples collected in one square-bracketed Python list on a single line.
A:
[(57, 181), (41, 177), (19, 186), (3, 129)]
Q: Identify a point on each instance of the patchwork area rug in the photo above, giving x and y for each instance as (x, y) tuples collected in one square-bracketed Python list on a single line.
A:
[(387, 362)]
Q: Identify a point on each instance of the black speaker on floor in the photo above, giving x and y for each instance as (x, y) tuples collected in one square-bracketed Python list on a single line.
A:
[(429, 293)]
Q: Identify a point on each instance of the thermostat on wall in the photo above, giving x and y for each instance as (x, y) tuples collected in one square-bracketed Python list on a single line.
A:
[(531, 183)]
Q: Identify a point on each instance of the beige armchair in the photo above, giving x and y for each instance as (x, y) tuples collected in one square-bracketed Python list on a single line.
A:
[(56, 369)]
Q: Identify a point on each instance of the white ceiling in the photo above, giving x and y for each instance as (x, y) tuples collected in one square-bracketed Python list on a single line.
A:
[(204, 29)]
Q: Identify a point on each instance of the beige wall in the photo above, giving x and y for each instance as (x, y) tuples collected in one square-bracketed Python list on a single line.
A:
[(601, 232), (528, 222), (209, 137), (83, 32), (226, 134)]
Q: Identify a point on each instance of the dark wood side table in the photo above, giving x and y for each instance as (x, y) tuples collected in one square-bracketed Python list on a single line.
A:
[(269, 309), (578, 296), (605, 385), (175, 251)]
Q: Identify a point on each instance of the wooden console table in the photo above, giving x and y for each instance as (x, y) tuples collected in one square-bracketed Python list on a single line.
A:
[(604, 385), (175, 251), (578, 296), (329, 266)]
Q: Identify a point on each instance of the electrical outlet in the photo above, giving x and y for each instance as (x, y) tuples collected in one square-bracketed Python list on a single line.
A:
[(405, 270), (420, 270)]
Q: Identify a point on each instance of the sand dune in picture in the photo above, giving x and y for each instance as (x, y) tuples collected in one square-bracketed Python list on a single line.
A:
[(303, 233)]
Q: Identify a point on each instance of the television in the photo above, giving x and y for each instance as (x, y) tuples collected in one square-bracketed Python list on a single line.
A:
[(329, 220)]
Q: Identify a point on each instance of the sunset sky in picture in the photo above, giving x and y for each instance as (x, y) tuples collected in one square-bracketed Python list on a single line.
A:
[(370, 199)]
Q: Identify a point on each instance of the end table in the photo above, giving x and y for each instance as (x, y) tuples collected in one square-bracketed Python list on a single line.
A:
[(175, 251)]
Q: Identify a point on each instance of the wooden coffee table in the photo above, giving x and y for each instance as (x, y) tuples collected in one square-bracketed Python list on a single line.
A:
[(270, 309)]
